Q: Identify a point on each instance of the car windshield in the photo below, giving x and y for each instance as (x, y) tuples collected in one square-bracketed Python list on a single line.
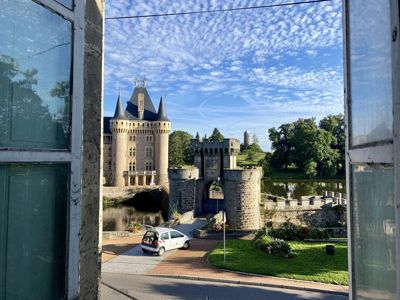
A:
[(150, 237)]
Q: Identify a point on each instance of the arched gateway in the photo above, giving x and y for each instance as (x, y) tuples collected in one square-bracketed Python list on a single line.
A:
[(215, 183)]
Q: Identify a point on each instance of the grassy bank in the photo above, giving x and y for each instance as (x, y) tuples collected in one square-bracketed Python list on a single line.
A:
[(242, 159), (310, 262), (293, 173)]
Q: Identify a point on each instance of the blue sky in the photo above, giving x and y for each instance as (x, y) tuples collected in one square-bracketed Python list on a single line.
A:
[(253, 69)]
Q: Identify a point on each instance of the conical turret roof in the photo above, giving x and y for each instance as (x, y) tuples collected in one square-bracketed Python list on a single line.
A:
[(161, 115), (119, 110)]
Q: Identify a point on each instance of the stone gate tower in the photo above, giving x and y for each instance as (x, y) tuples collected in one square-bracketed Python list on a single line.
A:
[(136, 142), (216, 162)]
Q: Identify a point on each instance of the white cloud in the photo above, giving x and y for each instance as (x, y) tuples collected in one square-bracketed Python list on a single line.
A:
[(253, 57)]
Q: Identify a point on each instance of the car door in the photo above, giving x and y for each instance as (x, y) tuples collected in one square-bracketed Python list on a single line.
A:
[(166, 241), (177, 239)]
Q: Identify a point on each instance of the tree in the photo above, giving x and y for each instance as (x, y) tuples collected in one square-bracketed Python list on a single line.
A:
[(29, 112), (180, 151), (314, 150), (281, 139), (255, 140), (216, 136), (335, 125)]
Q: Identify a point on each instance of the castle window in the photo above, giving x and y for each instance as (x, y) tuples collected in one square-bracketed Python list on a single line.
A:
[(149, 166), (132, 151), (109, 166), (134, 138), (132, 166), (130, 138), (149, 152), (149, 138)]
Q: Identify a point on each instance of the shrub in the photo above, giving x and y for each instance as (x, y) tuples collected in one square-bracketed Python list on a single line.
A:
[(133, 226), (263, 242), (280, 248), (176, 215), (289, 231), (318, 234), (218, 227), (266, 243)]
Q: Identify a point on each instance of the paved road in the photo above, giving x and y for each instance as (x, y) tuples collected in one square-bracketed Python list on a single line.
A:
[(134, 261), (127, 287)]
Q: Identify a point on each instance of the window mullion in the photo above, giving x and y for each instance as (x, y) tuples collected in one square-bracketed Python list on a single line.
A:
[(76, 151), (396, 125)]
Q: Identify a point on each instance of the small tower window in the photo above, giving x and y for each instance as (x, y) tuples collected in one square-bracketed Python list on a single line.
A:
[(149, 152), (132, 151), (132, 166)]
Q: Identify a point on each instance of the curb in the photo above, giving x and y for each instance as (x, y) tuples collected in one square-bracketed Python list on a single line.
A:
[(262, 284)]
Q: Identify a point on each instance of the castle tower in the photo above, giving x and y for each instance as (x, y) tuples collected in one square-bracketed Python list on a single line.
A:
[(242, 198), (119, 145), (136, 142), (163, 126), (246, 139)]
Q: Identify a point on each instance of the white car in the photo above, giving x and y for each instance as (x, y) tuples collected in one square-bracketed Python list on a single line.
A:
[(160, 239)]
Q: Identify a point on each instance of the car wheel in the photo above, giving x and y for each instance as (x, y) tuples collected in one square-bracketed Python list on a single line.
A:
[(161, 251), (186, 245), (145, 251)]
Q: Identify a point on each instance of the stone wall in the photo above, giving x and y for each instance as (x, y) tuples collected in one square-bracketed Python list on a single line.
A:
[(305, 202), (92, 160), (242, 198), (326, 217), (182, 190)]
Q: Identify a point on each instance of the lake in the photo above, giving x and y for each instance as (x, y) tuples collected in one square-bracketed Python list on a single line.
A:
[(300, 188), (116, 218)]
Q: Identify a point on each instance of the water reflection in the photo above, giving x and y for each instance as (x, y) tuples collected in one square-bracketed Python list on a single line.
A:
[(117, 218), (35, 73), (298, 188)]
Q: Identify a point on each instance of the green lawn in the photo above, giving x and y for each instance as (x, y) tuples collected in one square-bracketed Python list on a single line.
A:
[(242, 160), (292, 172), (309, 263)]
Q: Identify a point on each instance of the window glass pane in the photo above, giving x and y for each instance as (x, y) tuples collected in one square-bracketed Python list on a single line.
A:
[(66, 3), (373, 221), (35, 71), (370, 71), (33, 210)]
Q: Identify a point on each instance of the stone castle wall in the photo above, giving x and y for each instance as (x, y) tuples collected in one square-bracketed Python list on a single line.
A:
[(182, 189), (138, 136), (216, 161), (242, 198)]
